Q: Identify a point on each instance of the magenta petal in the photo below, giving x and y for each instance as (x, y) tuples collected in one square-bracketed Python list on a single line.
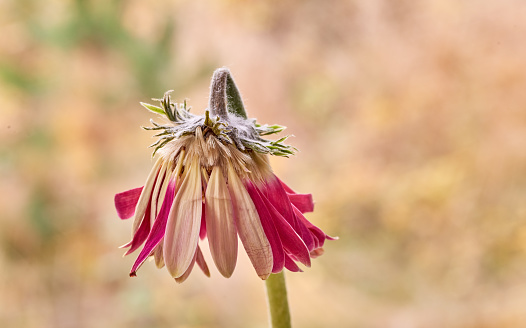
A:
[(287, 188), (290, 265), (305, 234), (125, 202), (279, 198), (202, 230), (142, 232), (316, 232), (303, 202), (290, 240), (278, 254), (158, 229)]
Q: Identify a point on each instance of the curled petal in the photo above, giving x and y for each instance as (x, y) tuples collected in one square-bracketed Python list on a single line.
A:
[(317, 252), (221, 228), (184, 221), (290, 240), (249, 227), (317, 233), (126, 201), (303, 202)]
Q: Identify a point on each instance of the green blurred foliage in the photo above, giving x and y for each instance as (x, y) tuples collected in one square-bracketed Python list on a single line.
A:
[(409, 117)]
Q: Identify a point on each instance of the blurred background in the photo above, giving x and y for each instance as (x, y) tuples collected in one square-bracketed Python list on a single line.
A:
[(411, 121)]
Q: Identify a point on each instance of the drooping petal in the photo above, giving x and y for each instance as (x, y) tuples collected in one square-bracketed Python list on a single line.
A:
[(156, 191), (222, 234), (303, 202), (158, 229), (317, 252), (278, 255), (290, 240), (317, 233), (186, 274), (145, 197), (305, 235), (126, 201), (287, 188), (184, 221), (249, 226), (276, 194), (158, 255), (201, 262), (290, 265), (141, 234)]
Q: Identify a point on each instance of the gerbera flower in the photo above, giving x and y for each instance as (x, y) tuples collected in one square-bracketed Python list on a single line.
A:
[(212, 179)]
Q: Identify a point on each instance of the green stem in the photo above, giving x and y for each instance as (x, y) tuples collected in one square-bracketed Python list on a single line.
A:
[(277, 301)]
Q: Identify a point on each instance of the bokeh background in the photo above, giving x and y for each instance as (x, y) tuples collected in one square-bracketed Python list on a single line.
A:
[(411, 121)]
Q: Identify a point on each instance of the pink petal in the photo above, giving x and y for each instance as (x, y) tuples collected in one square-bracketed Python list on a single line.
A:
[(305, 235), (290, 240), (184, 222), (157, 190), (126, 201), (316, 232), (201, 262), (317, 252), (202, 230), (249, 226), (145, 197), (287, 188), (290, 265), (158, 229), (268, 226), (278, 197), (141, 234), (303, 202), (222, 233)]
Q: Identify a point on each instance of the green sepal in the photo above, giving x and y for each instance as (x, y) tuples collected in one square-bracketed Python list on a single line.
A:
[(152, 108)]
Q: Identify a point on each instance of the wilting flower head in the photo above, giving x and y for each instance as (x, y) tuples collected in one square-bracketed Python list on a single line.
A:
[(212, 179)]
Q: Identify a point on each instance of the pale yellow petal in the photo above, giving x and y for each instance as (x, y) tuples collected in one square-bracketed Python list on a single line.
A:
[(249, 226), (184, 221), (220, 226), (145, 197)]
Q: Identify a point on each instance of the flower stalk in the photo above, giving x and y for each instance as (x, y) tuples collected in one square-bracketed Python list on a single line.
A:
[(212, 179), (277, 301)]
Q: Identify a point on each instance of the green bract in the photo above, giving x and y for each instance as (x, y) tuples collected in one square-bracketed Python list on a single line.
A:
[(244, 133)]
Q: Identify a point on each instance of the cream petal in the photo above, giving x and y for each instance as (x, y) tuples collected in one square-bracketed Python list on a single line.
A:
[(200, 259), (162, 178), (145, 197), (221, 229), (186, 274), (184, 220), (249, 226), (158, 255)]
